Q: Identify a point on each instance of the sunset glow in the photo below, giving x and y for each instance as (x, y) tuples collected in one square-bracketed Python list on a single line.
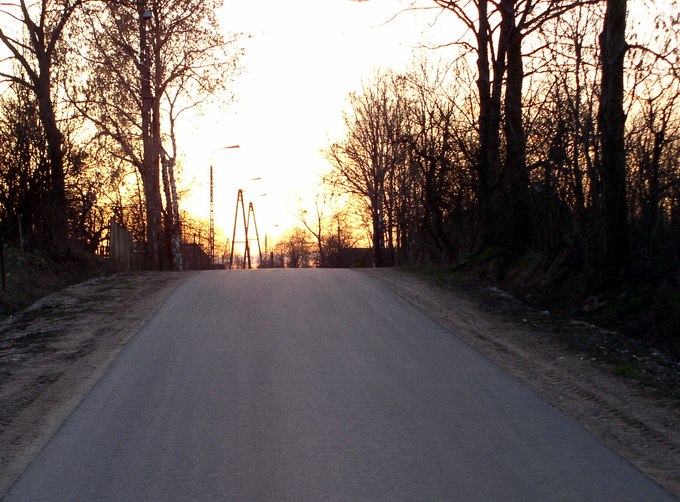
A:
[(301, 61)]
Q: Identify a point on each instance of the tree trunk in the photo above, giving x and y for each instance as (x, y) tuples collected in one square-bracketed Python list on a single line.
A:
[(612, 120), (56, 217), (178, 259), (515, 161), (161, 250), (487, 163), (150, 167), (164, 256), (378, 255), (489, 166), (173, 237)]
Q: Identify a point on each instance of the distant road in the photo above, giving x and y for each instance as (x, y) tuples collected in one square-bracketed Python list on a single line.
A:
[(315, 385)]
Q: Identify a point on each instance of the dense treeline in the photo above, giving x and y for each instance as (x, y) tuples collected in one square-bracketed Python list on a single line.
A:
[(548, 133), (91, 93)]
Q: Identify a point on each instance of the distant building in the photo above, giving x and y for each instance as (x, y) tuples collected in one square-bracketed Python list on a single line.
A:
[(353, 258), (194, 257)]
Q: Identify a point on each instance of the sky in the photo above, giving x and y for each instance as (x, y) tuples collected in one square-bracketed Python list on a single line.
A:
[(302, 60)]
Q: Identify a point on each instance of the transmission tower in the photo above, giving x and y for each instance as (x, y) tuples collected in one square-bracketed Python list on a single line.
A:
[(246, 218)]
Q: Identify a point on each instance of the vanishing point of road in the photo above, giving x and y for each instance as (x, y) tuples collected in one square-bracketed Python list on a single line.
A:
[(315, 385)]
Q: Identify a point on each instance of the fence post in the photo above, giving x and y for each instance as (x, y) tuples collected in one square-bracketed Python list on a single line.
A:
[(120, 245)]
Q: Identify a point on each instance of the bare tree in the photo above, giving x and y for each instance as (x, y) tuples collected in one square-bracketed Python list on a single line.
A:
[(339, 238), (316, 224), (442, 160), (37, 48), (612, 122), (25, 175), (145, 54), (373, 148), (24, 167), (327, 224), (296, 248), (652, 132), (499, 30), (562, 142)]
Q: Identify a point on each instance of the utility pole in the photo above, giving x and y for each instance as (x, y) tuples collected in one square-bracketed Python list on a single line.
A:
[(212, 221)]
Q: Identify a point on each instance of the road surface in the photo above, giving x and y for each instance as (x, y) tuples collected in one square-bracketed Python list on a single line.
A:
[(315, 385)]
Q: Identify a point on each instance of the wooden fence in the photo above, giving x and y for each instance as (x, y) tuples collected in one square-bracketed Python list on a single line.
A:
[(128, 255)]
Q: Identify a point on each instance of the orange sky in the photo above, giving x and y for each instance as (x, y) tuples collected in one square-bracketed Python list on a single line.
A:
[(302, 60)]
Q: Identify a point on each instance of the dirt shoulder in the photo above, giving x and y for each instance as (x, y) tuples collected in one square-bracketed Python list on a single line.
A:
[(635, 419), (52, 353)]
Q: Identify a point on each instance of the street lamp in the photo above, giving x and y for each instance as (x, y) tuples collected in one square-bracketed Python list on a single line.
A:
[(212, 207)]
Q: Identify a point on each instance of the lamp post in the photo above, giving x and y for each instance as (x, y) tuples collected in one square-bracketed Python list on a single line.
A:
[(212, 207)]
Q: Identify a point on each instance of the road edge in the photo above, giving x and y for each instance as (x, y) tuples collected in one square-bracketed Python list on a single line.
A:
[(40, 420), (597, 401)]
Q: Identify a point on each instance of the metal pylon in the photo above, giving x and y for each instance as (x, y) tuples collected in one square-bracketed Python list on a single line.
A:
[(240, 204), (251, 211)]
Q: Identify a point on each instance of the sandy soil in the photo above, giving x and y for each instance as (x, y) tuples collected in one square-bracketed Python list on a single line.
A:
[(54, 352)]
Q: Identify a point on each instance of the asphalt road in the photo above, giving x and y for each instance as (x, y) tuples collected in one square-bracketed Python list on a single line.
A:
[(315, 385)]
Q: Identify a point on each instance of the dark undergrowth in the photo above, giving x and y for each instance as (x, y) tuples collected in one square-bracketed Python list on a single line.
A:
[(29, 276), (632, 328)]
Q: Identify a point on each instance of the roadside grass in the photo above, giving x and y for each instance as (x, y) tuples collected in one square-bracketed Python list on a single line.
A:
[(30, 276)]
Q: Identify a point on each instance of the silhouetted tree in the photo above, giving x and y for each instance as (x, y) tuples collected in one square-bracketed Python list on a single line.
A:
[(144, 54), (36, 45), (24, 167), (374, 147), (612, 122), (440, 187), (295, 247)]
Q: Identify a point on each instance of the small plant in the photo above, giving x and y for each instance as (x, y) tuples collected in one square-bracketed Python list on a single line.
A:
[(626, 370)]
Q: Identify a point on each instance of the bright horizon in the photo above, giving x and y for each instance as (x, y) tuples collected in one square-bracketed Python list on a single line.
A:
[(303, 58)]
